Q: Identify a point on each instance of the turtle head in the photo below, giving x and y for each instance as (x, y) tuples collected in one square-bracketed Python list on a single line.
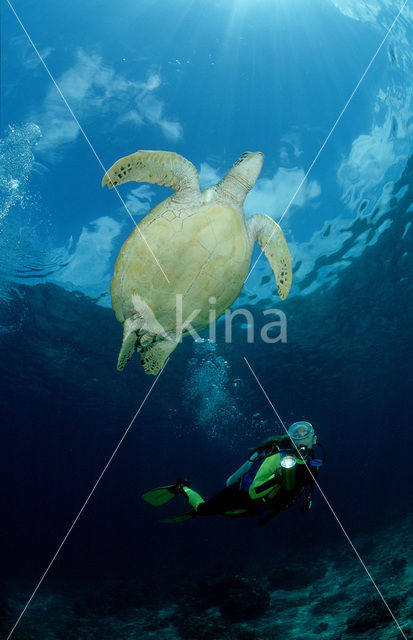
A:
[(241, 177), (250, 164)]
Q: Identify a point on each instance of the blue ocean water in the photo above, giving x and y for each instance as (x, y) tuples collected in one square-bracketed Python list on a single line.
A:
[(208, 80)]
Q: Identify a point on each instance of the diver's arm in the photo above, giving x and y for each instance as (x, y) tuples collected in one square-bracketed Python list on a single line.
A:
[(237, 475), (308, 502)]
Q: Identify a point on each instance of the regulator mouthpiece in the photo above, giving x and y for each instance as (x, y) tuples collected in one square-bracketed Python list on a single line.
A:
[(288, 464)]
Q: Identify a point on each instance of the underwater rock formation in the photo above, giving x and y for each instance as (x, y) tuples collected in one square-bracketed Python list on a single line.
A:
[(238, 598), (296, 575), (372, 614)]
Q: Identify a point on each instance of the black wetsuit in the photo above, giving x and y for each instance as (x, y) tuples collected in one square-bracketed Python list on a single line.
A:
[(231, 498)]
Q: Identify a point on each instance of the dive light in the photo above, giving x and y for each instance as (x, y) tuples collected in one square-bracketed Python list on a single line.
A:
[(288, 465)]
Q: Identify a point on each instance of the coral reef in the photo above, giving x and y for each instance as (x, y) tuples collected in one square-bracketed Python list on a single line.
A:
[(310, 600)]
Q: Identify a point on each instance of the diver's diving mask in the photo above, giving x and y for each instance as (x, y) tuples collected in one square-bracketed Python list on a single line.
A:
[(302, 434)]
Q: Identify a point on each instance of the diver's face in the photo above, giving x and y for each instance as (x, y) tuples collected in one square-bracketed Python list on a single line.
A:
[(306, 442)]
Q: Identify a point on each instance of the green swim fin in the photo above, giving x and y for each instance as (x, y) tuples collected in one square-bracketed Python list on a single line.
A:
[(161, 495), (181, 517)]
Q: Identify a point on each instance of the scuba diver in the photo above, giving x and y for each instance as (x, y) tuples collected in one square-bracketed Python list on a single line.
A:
[(275, 475)]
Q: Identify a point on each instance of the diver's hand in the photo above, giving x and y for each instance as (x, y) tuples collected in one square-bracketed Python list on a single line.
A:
[(306, 506)]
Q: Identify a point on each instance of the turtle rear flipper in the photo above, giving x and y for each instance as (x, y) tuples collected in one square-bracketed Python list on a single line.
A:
[(127, 350), (157, 167), (130, 341), (154, 356)]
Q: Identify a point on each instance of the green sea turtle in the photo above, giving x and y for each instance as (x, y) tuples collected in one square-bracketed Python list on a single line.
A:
[(186, 262)]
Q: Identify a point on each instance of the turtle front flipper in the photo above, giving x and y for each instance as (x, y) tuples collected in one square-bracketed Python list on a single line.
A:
[(158, 167), (269, 236)]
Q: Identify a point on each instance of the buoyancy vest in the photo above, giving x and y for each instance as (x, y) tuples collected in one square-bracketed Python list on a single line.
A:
[(263, 480)]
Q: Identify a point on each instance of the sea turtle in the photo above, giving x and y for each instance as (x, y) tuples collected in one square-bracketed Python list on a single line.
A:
[(186, 262)]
